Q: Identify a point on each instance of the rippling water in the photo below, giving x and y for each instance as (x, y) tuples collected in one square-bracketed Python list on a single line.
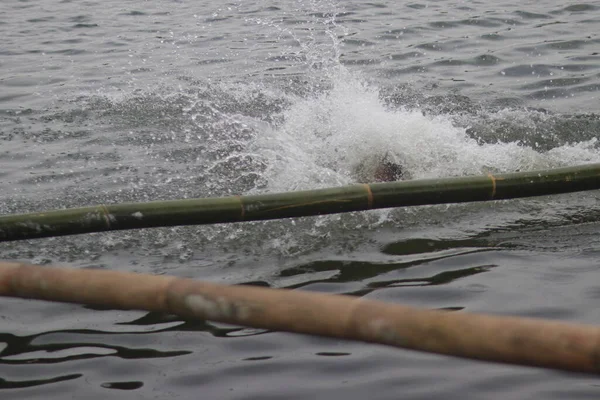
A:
[(131, 101)]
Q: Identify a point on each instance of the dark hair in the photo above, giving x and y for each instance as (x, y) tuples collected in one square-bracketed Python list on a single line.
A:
[(388, 171)]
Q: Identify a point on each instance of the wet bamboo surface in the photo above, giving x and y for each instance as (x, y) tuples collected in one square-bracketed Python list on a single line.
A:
[(513, 340), (298, 204)]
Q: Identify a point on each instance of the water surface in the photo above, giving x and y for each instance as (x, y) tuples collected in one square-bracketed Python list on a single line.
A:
[(106, 102)]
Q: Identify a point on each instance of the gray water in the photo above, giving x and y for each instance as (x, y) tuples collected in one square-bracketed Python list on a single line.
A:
[(111, 101)]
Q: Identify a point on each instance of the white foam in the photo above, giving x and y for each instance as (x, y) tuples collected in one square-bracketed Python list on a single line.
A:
[(322, 138)]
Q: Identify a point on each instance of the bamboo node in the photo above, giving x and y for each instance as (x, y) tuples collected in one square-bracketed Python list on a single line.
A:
[(369, 195), (242, 207), (493, 179), (107, 216), (383, 331), (217, 309)]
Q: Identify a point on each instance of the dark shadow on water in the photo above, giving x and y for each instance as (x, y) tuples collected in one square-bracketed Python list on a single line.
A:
[(190, 326), (422, 246), (438, 279), (123, 385), (356, 271), (20, 346), (5, 384)]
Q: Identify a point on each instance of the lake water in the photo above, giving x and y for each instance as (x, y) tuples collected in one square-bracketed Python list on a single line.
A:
[(112, 101)]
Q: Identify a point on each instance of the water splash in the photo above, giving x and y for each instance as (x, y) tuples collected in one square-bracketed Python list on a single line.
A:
[(321, 139), (275, 133)]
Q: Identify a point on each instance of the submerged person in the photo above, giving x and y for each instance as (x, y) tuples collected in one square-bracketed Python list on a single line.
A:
[(388, 171), (379, 169)]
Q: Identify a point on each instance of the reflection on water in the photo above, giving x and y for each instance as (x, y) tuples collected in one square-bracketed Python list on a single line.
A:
[(5, 384)]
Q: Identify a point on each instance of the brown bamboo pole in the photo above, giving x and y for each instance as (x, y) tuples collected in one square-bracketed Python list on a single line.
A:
[(523, 341), (297, 204)]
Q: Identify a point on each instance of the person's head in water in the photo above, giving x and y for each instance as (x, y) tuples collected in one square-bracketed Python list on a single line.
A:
[(375, 168), (388, 171)]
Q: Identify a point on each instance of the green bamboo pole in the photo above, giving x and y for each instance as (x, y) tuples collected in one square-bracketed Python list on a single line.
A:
[(297, 204), (523, 341)]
